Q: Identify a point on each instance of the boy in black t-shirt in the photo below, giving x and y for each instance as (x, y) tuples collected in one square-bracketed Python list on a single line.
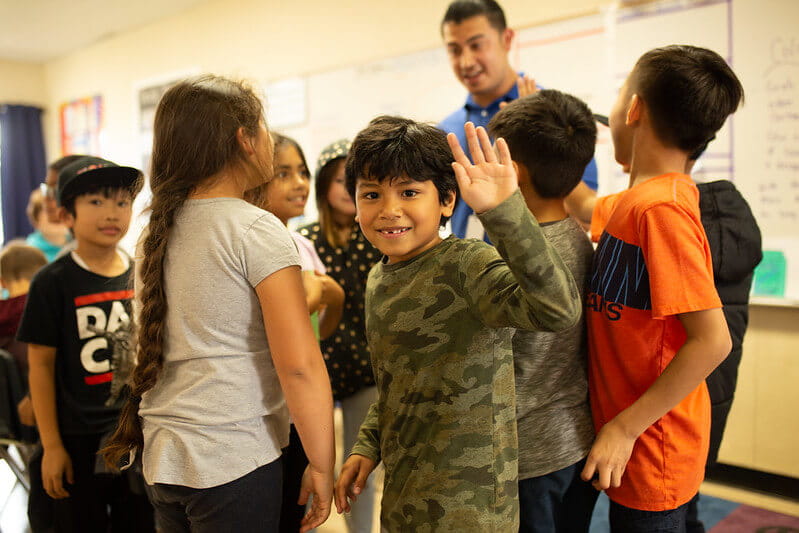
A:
[(76, 324)]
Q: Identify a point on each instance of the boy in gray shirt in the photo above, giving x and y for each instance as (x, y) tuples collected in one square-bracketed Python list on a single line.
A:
[(551, 137)]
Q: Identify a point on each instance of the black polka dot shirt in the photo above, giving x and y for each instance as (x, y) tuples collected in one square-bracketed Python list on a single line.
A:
[(345, 351)]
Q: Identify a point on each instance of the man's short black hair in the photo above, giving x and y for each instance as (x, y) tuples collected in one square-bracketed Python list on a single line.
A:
[(460, 10), (395, 147), (550, 133), (689, 92)]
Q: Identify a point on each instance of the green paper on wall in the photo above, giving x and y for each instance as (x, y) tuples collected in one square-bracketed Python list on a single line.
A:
[(770, 275)]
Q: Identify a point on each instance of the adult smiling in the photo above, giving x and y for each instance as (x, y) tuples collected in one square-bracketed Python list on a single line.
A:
[(478, 40)]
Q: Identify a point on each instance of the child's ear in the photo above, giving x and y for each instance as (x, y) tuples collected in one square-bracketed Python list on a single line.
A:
[(65, 217), (634, 110), (246, 142), (448, 206), (517, 170)]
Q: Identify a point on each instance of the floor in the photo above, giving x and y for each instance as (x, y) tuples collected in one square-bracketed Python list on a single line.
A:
[(13, 502)]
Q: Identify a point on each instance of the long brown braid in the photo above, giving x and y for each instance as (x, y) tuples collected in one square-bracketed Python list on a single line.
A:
[(195, 137)]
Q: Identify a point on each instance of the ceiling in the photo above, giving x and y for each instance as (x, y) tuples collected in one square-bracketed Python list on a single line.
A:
[(37, 31)]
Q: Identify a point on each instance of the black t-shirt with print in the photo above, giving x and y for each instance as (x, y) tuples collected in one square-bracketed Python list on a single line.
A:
[(84, 316), (346, 353)]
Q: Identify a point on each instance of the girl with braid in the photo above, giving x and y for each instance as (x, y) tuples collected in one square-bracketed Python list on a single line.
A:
[(223, 327)]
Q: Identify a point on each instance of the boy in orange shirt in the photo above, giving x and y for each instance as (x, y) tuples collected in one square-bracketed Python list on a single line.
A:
[(655, 324)]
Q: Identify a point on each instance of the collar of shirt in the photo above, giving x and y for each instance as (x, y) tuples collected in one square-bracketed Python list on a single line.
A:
[(480, 116)]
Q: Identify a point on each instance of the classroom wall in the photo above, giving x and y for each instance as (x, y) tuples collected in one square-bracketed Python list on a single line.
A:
[(256, 39), (266, 40), (22, 83)]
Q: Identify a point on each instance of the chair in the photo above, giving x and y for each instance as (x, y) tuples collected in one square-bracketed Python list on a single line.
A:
[(12, 432)]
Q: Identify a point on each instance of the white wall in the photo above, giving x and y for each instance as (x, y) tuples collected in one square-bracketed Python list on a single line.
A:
[(22, 83), (257, 40)]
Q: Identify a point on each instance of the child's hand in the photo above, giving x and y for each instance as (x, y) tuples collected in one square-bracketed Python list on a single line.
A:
[(332, 292), (320, 486), (312, 284), (488, 182), (526, 86), (56, 465), (352, 480), (608, 457)]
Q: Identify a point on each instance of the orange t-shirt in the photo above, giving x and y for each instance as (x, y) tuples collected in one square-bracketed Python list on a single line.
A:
[(652, 263)]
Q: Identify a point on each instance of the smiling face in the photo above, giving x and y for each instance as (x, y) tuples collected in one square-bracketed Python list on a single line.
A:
[(401, 217), (287, 193), (478, 54), (100, 221)]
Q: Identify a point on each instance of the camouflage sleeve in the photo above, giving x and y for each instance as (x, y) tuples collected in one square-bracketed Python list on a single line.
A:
[(530, 287), (368, 443)]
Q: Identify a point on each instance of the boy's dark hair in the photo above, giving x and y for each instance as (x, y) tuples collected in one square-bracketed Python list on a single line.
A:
[(689, 93), (460, 10), (696, 154), (393, 147), (552, 134), (19, 261)]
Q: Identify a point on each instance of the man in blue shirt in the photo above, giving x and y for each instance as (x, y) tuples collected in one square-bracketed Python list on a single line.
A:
[(478, 41)]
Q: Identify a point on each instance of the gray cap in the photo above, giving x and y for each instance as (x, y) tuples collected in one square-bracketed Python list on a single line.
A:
[(332, 151)]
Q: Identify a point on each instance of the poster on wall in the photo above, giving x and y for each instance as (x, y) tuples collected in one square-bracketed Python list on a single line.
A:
[(148, 98), (81, 125), (147, 94)]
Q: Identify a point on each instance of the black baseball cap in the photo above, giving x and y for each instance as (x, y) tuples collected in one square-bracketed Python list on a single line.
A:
[(90, 171)]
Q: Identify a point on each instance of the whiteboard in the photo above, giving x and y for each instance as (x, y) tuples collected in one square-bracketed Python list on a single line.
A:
[(758, 149)]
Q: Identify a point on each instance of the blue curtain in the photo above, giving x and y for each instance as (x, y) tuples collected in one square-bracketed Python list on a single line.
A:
[(22, 164)]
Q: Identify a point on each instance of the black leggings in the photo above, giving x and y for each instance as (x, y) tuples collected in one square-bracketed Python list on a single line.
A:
[(92, 495), (294, 463), (248, 504)]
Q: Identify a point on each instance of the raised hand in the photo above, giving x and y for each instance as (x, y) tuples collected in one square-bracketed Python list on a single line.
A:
[(526, 86), (488, 181)]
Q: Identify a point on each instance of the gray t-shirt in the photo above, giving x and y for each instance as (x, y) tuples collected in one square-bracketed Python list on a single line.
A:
[(217, 411), (552, 410)]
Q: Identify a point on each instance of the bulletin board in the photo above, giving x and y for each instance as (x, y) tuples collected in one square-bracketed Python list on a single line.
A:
[(590, 56), (81, 124)]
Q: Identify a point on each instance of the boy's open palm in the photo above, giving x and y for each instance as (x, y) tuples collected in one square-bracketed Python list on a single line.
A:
[(490, 180)]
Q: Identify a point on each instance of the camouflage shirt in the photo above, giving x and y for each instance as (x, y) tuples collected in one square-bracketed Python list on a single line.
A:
[(439, 330)]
